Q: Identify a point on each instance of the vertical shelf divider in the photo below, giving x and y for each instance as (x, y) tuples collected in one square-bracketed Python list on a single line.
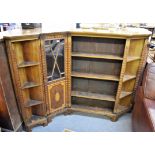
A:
[(68, 70), (126, 50)]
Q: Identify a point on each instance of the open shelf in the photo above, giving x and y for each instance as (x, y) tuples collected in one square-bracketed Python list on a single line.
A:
[(28, 64), (124, 94), (95, 55), (95, 96), (132, 58), (95, 76), (128, 77), (29, 85), (31, 103)]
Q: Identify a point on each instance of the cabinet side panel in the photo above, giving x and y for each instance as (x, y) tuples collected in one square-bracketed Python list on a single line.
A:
[(8, 90), (5, 121)]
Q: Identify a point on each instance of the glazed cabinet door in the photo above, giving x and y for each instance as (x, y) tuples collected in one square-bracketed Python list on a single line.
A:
[(54, 50), (55, 56)]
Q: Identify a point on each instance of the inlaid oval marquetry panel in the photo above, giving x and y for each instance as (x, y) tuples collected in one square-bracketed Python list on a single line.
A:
[(56, 93), (57, 97)]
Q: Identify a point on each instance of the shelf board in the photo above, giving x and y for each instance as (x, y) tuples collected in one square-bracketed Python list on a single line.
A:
[(124, 94), (92, 110), (95, 76), (128, 77), (29, 85), (132, 58), (28, 64), (98, 56), (31, 103), (94, 96), (35, 120)]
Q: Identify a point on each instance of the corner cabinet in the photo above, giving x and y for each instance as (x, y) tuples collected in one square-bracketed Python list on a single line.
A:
[(79, 71), (25, 59)]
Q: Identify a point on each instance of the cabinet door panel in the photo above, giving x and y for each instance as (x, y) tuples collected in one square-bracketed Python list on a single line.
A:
[(56, 95)]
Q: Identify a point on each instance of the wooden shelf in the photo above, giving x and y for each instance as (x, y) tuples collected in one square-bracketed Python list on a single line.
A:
[(35, 120), (95, 76), (31, 103), (27, 64), (124, 94), (132, 58), (29, 85), (94, 96), (92, 110), (98, 56), (128, 77)]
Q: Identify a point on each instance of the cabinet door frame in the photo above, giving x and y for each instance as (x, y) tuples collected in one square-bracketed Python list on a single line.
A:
[(48, 85)]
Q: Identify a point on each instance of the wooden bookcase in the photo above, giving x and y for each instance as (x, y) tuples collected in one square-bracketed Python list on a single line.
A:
[(105, 71), (94, 72), (26, 63)]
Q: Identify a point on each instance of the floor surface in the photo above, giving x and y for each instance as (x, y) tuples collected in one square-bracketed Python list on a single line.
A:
[(82, 123)]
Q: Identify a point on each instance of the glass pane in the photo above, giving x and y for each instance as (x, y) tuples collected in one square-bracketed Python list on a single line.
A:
[(54, 58)]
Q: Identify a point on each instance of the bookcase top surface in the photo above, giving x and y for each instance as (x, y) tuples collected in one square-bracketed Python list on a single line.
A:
[(126, 32), (19, 33)]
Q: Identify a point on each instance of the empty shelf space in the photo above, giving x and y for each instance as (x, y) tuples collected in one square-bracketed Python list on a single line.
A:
[(31, 103), (93, 55), (124, 94), (29, 85), (128, 77), (132, 58), (28, 64), (95, 76), (94, 96)]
